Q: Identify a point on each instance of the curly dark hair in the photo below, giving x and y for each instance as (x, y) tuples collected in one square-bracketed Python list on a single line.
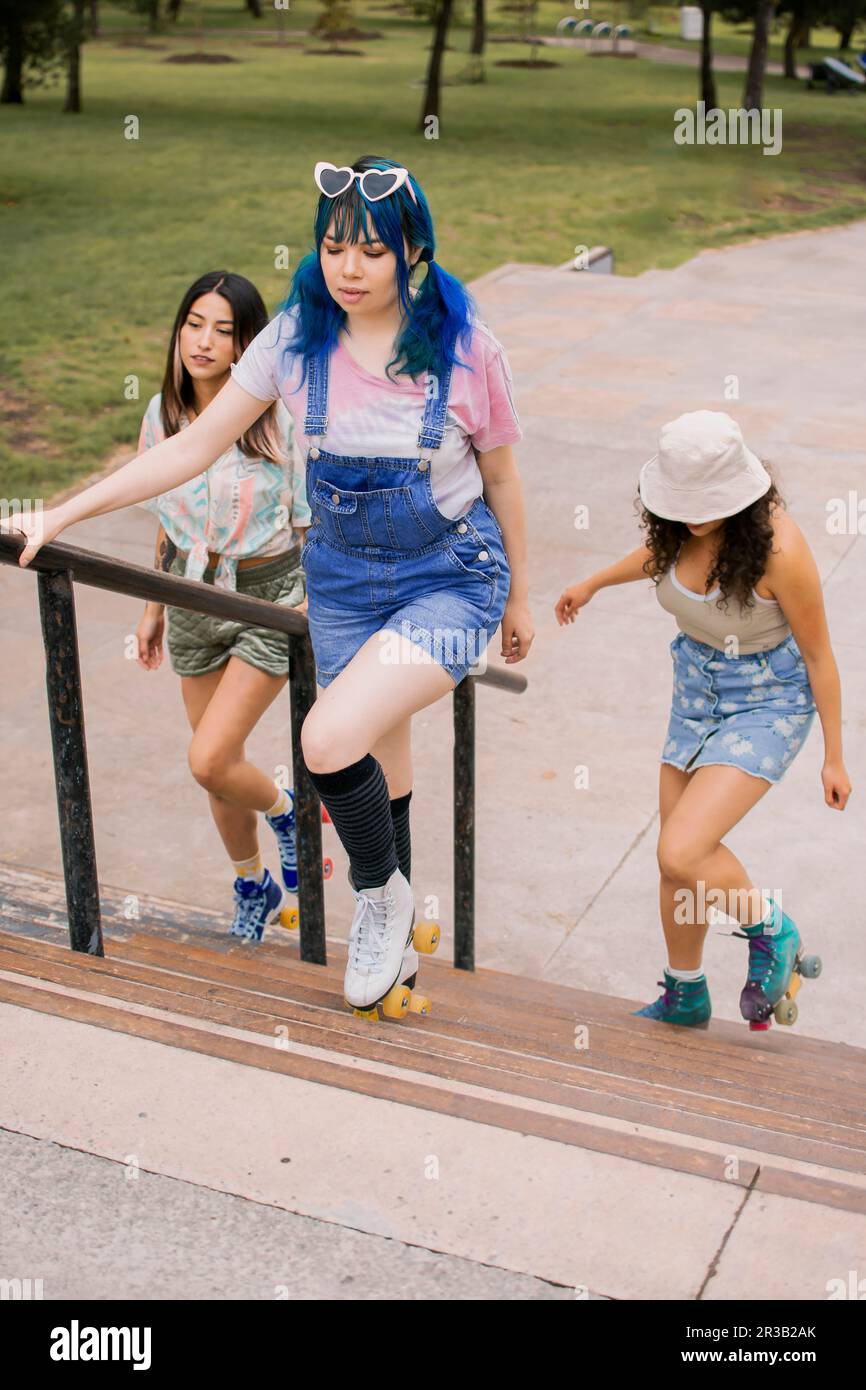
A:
[(742, 555)]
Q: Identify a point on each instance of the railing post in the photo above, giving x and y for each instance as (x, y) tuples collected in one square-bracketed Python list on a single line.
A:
[(72, 784), (464, 825), (308, 813)]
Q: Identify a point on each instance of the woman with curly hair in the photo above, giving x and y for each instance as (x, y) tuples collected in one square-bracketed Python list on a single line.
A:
[(752, 664)]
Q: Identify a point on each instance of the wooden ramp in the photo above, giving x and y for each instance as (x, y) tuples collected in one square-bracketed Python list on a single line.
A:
[(776, 1112)]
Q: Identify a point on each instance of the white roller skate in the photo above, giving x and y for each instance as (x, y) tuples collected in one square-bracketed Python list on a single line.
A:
[(383, 959)]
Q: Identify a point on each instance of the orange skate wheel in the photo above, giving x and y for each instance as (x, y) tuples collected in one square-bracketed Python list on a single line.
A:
[(425, 937), (289, 918), (419, 1004), (396, 1002)]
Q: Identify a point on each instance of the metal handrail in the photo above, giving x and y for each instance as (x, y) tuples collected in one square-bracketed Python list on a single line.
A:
[(58, 567)]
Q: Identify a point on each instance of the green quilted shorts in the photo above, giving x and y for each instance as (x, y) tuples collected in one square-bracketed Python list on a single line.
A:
[(198, 643)]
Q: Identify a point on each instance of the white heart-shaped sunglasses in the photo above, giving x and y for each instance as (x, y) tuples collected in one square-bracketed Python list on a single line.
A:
[(374, 183)]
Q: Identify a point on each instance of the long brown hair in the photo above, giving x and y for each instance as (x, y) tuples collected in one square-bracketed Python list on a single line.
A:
[(262, 439)]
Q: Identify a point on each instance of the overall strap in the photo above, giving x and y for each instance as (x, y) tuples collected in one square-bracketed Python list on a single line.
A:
[(316, 418), (437, 391)]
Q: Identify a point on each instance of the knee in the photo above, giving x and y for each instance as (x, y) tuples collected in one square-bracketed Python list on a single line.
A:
[(208, 765), (678, 858), (323, 746)]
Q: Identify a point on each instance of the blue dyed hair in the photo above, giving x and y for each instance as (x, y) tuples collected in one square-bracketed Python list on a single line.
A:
[(437, 317)]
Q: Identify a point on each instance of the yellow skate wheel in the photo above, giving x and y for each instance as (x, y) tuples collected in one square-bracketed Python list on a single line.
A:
[(785, 1011), (396, 1002), (419, 1004), (289, 918), (426, 937), (365, 1013)]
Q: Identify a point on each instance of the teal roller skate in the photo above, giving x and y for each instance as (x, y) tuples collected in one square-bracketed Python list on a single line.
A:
[(776, 963), (284, 828), (684, 1002), (256, 906)]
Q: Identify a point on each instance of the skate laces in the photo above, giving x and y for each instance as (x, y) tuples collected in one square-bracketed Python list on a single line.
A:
[(371, 932), (760, 959), (247, 911)]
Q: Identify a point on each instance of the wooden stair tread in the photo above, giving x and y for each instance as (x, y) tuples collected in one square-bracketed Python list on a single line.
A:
[(822, 1137)]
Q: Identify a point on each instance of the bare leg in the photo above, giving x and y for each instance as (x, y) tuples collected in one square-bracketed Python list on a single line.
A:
[(222, 720), (368, 701), (690, 853)]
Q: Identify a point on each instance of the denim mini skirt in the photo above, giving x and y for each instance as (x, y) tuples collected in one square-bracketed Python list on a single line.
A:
[(752, 712)]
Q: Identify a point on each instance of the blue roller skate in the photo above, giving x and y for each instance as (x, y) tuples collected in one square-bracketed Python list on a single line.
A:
[(684, 1002), (776, 963), (257, 905), (284, 828)]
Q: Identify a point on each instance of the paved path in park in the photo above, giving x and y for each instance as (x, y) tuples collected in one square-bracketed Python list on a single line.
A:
[(666, 53), (772, 332)]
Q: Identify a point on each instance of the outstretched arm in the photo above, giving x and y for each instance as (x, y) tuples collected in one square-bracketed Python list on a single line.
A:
[(625, 571), (168, 464)]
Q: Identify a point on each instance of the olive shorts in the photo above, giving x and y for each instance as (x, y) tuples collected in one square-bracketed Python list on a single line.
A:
[(198, 643)]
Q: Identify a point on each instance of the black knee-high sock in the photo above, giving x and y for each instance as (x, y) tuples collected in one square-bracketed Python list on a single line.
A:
[(402, 839), (357, 801)]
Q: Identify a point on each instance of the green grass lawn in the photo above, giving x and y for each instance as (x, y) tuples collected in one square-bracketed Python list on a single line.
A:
[(100, 235)]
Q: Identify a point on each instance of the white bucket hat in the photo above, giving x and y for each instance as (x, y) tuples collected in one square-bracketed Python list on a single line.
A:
[(703, 470)]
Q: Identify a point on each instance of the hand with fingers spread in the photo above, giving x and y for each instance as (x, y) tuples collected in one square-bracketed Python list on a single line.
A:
[(571, 600)]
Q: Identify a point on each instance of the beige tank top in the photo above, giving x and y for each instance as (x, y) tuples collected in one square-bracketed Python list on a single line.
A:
[(699, 616)]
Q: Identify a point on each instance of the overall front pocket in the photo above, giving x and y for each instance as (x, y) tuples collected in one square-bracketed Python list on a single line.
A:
[(375, 517)]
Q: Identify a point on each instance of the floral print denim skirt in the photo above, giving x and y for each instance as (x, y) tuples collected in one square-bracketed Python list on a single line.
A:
[(752, 712)]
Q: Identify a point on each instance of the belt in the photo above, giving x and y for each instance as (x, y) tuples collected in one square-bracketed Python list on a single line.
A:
[(247, 561)]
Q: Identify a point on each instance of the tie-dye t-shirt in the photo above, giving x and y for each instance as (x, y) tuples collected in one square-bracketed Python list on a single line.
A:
[(238, 506), (369, 416)]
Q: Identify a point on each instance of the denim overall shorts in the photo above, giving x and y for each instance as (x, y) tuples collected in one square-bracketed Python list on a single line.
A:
[(381, 558)]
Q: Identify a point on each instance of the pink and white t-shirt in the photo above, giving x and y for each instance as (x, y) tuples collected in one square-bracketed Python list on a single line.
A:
[(369, 416)]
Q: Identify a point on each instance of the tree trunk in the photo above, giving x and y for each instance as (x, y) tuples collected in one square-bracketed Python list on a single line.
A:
[(13, 59), (255, 8), (153, 16), (73, 62), (94, 19), (792, 39), (434, 71), (754, 89), (845, 37), (173, 8), (478, 30), (708, 81)]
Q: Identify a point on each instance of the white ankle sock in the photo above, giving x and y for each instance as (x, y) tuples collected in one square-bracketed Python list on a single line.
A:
[(282, 804), (250, 868), (686, 974)]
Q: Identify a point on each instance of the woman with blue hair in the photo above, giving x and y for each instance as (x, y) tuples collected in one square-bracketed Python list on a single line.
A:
[(416, 552)]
